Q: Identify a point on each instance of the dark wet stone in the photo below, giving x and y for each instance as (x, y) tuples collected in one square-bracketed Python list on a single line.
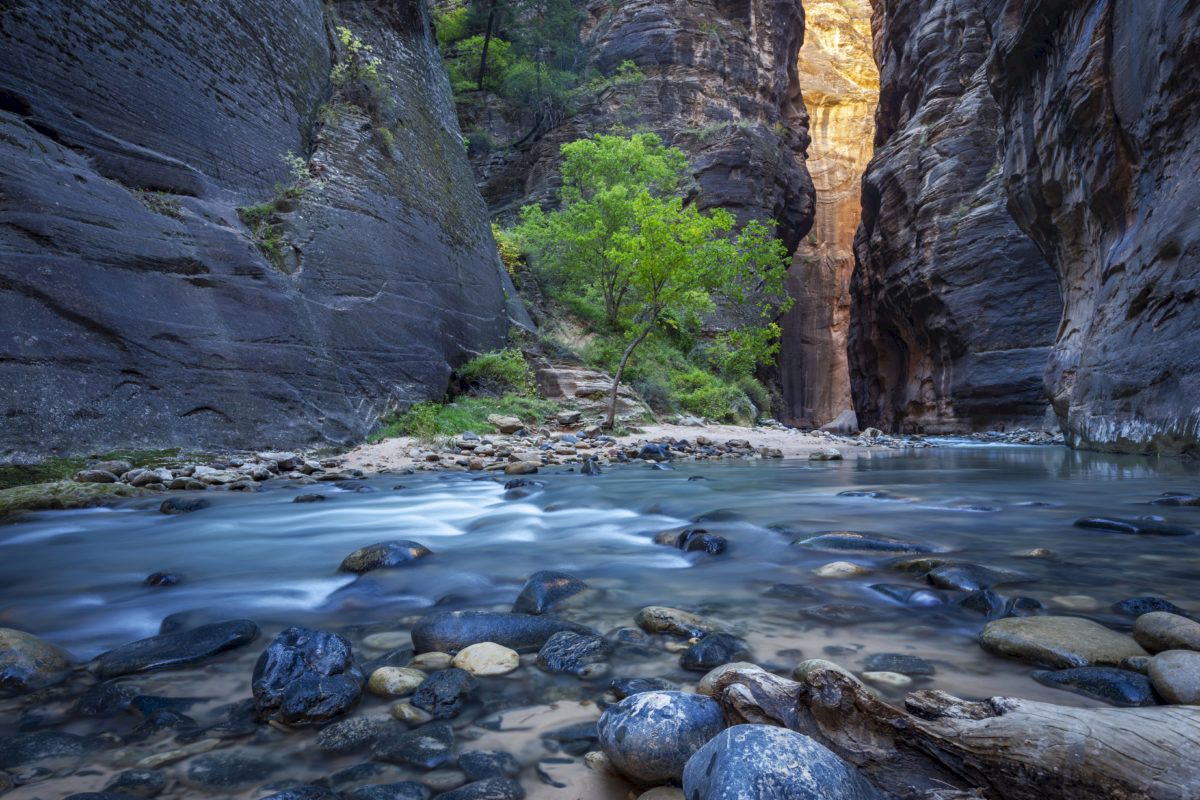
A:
[(163, 579), (521, 483), (624, 687), (105, 699), (359, 734), (486, 789), (237, 719), (1023, 607), (392, 658), (780, 764), (714, 650), (175, 649), (28, 663), (100, 796), (650, 736), (309, 498), (697, 478), (443, 694), (304, 793), (351, 486), (918, 564), (655, 452), (573, 653), (984, 601), (910, 595), (630, 635), (574, 739), (1120, 687), (850, 541), (163, 719), (405, 790), (546, 589), (306, 677), (1177, 500), (698, 540), (138, 782), (427, 747), (898, 662), (480, 764), (29, 748), (1136, 606), (838, 613), (972, 577), (383, 555), (451, 631), (1139, 527), (229, 769), (792, 591)]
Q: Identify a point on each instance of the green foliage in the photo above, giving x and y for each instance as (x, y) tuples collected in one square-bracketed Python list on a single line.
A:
[(428, 421), (497, 373), (510, 252), (359, 64), (464, 66), (160, 203), (452, 25)]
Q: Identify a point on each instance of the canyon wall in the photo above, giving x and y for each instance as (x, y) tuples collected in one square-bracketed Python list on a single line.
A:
[(841, 90), (166, 279), (1101, 110), (954, 308)]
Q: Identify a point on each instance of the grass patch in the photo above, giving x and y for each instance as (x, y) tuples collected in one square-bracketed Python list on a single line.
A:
[(428, 421), (58, 469), (502, 372)]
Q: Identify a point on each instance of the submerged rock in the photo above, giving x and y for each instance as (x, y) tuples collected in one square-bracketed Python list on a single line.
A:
[(1058, 642), (971, 577), (898, 662), (443, 694), (1136, 606), (574, 653), (182, 505), (693, 540), (1120, 687), (310, 792), (1139, 527), (451, 631), (625, 687), (650, 736), (984, 601), (229, 770), (358, 734), (546, 589), (714, 650), (306, 677), (764, 762), (852, 541), (395, 681), (662, 619), (910, 595), (30, 748), (500, 788), (1160, 630), (175, 649), (382, 555), (480, 764), (405, 790), (427, 747), (27, 662)]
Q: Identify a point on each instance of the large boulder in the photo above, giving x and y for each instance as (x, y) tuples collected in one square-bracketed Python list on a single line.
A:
[(175, 649), (650, 736), (451, 631), (306, 677), (27, 662), (1058, 642), (763, 762)]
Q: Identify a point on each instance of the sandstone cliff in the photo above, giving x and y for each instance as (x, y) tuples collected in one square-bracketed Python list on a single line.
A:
[(1101, 110), (954, 308), (841, 89), (138, 308)]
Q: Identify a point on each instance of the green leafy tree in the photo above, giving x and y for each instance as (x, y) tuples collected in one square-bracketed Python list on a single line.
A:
[(623, 233)]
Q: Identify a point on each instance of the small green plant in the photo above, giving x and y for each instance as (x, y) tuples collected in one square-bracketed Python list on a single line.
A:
[(160, 203), (498, 373), (429, 421), (266, 228), (359, 64)]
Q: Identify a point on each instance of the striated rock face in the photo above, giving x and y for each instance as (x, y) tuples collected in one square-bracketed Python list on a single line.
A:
[(137, 309), (1101, 107), (954, 308), (841, 89)]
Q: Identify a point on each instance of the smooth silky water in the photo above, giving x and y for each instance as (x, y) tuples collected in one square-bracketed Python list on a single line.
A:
[(75, 578)]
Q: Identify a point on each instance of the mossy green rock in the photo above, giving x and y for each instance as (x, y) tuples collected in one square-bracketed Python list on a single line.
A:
[(61, 495), (27, 662)]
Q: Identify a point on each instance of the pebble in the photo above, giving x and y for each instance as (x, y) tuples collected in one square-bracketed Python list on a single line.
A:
[(893, 679), (1161, 630), (662, 793), (650, 736), (489, 658), (431, 661), (840, 569), (395, 681), (1176, 676)]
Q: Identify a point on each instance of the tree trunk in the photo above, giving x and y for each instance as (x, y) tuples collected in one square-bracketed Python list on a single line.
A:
[(1002, 749), (612, 399), (487, 40)]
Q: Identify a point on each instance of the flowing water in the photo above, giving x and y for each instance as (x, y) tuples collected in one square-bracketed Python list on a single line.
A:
[(75, 578)]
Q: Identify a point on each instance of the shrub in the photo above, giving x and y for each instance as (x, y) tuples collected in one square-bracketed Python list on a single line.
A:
[(452, 25), (510, 254), (497, 373), (428, 421)]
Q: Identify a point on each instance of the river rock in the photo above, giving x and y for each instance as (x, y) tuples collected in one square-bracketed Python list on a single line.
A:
[(480, 764), (1139, 527), (27, 662), (521, 468), (451, 631), (489, 658), (663, 619), (650, 736), (624, 687), (431, 661), (138, 782), (427, 747), (984, 601), (358, 734), (95, 476), (971, 577), (405, 790), (826, 454), (486, 789), (30, 748), (182, 505), (443, 694), (382, 555), (395, 681), (852, 541), (714, 650), (306, 677), (840, 569), (546, 589), (1161, 630), (764, 762), (1120, 687), (1176, 676), (1058, 642), (229, 770), (573, 653), (898, 662), (1136, 606), (655, 452), (175, 649)]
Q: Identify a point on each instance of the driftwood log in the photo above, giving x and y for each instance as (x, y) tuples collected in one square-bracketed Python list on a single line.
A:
[(999, 749)]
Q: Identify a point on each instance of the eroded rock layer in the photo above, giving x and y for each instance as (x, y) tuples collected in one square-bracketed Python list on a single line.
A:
[(841, 89), (138, 308), (1101, 108), (954, 308)]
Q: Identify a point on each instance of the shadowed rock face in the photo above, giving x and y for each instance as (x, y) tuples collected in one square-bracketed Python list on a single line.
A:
[(954, 308), (841, 89), (1101, 107), (136, 308)]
